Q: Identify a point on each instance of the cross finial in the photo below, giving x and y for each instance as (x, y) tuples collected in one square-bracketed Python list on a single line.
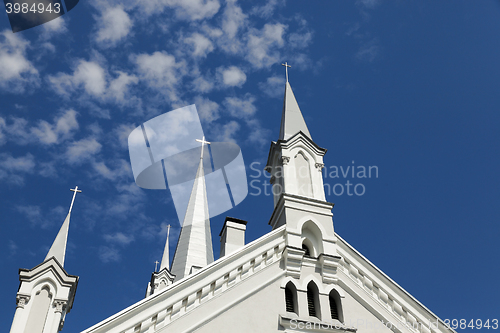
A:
[(202, 145), (74, 195), (156, 265), (286, 69)]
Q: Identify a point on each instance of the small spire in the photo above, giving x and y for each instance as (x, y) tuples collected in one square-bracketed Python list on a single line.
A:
[(58, 248), (194, 247), (165, 261), (292, 120)]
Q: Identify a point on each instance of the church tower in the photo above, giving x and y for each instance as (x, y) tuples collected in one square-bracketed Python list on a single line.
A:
[(194, 247), (162, 278), (295, 163), (46, 292)]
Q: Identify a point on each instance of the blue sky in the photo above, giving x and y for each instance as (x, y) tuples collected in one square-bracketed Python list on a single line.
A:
[(408, 86)]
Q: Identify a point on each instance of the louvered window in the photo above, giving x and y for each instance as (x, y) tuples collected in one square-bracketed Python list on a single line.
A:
[(333, 308), (289, 300), (306, 248), (310, 302)]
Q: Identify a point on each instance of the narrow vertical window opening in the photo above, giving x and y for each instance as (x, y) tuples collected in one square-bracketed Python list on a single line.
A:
[(290, 297), (311, 302)]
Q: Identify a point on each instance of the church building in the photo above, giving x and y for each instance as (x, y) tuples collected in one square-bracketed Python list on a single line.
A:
[(299, 277)]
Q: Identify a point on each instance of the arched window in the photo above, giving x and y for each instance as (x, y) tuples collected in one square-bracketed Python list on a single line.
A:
[(312, 238), (335, 306), (306, 248), (313, 299), (291, 297)]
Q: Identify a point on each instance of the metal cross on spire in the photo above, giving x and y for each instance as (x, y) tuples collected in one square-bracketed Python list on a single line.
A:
[(156, 265), (286, 69), (74, 195), (202, 145)]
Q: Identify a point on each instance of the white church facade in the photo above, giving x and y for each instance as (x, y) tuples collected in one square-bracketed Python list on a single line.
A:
[(299, 277)]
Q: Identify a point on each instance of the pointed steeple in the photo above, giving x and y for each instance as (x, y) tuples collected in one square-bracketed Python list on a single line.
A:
[(45, 309), (58, 248), (292, 120), (194, 248), (165, 260), (163, 277)]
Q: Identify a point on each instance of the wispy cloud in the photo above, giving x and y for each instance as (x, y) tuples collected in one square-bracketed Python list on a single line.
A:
[(273, 86), (14, 169), (82, 150), (16, 71), (40, 218), (369, 51), (113, 25), (119, 238), (109, 254)]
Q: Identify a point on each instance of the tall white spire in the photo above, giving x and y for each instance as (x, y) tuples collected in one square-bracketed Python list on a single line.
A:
[(194, 248), (165, 261), (292, 120), (58, 248)]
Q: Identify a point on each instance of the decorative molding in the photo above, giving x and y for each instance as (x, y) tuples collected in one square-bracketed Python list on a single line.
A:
[(184, 303), (319, 166), (60, 305), (268, 169), (272, 180), (293, 261), (22, 300), (377, 293), (329, 266), (285, 160)]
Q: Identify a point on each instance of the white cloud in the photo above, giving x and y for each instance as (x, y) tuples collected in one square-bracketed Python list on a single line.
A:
[(53, 27), (160, 71), (274, 86), (226, 132), (35, 215), (201, 45), (240, 107), (121, 132), (14, 169), (119, 87), (109, 254), (232, 76), (82, 150), (16, 131), (233, 20), (194, 9), (3, 125), (119, 238), (63, 128), (258, 134), (129, 201), (268, 9), (121, 169), (16, 72), (369, 51), (202, 85), (262, 45), (208, 110), (114, 24), (31, 212), (88, 75), (299, 40)]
